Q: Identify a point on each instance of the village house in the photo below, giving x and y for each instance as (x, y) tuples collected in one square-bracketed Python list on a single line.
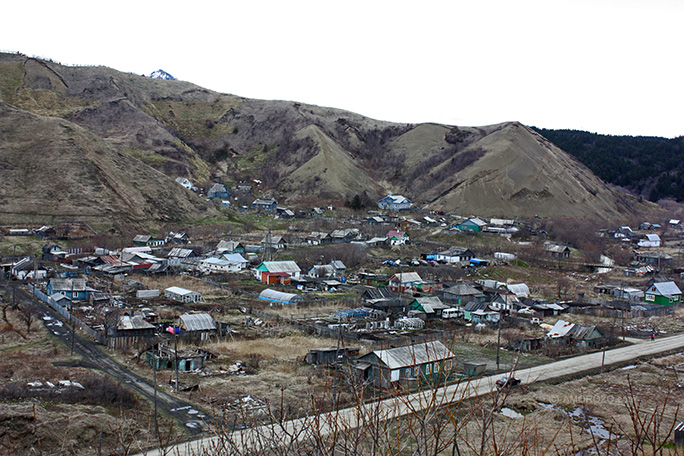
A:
[(395, 203), (74, 288), (656, 259), (267, 203), (221, 265), (454, 255), (396, 366), (398, 237), (462, 293), (567, 333), (198, 326), (270, 272), (335, 268), (485, 316), (505, 301), (218, 191), (176, 237), (284, 212), (178, 254), (344, 235), (410, 224), (238, 262), (473, 306), (403, 282), (229, 247), (182, 295), (429, 307), (142, 240), (649, 240), (521, 290), (130, 330), (274, 242), (663, 293), (556, 250), (474, 225), (318, 238)]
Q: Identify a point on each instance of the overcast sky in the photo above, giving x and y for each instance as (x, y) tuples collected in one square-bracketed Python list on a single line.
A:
[(605, 66)]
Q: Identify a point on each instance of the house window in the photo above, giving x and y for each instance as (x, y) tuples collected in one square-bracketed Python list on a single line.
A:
[(650, 297)]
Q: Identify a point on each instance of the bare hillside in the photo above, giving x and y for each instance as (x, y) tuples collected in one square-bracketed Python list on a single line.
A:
[(53, 169), (302, 153)]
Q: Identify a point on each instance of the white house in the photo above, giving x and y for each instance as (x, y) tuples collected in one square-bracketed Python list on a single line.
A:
[(182, 295), (455, 255), (395, 202), (649, 240)]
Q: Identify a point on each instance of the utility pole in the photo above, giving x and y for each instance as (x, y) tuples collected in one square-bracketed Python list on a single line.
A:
[(175, 338), (155, 360), (498, 341)]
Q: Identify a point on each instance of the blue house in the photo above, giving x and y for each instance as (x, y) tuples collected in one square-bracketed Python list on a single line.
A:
[(267, 203), (395, 203), (218, 191), (74, 289)]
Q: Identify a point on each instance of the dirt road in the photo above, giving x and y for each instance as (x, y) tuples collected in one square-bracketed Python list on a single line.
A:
[(185, 413), (396, 407)]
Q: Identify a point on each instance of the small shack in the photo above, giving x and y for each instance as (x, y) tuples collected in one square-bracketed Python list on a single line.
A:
[(183, 295), (200, 326), (187, 360), (330, 355)]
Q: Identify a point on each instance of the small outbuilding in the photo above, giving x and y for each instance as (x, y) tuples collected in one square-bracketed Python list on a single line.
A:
[(183, 295)]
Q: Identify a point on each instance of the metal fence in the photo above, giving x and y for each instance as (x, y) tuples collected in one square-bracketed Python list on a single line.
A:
[(63, 311)]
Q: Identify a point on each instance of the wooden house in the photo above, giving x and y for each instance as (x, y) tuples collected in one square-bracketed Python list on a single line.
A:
[(663, 293), (393, 367), (267, 203), (218, 191), (74, 289), (474, 225), (270, 272)]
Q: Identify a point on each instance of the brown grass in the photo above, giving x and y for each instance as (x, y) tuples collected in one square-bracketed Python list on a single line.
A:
[(291, 347)]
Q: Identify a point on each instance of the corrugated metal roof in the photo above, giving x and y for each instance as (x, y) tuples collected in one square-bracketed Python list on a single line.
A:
[(281, 266), (127, 322), (228, 245), (196, 322), (560, 329), (414, 355), (179, 291), (235, 258), (406, 277), (68, 284), (433, 302), (179, 252), (519, 289), (665, 288)]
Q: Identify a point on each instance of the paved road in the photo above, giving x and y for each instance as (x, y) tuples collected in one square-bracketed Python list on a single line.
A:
[(180, 410), (396, 407)]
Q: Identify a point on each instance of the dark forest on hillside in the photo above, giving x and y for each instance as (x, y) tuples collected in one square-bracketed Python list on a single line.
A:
[(648, 166)]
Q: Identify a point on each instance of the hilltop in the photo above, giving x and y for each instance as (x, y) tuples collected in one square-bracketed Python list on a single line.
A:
[(112, 143)]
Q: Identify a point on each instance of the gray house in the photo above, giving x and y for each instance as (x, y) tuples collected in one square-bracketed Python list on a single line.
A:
[(396, 366)]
